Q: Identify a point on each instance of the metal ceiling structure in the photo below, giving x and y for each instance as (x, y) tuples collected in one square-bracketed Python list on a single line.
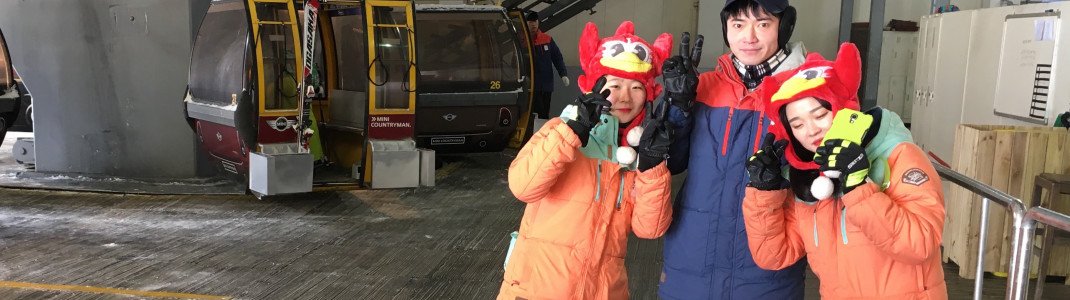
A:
[(557, 11)]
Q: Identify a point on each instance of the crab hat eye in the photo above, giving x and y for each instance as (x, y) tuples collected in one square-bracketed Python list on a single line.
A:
[(641, 51), (813, 73), (612, 49)]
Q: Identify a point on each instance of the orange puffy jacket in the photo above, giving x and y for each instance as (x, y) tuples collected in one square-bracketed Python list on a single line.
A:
[(574, 233), (869, 244)]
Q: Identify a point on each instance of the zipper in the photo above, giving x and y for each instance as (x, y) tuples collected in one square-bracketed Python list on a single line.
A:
[(843, 224), (620, 191), (727, 131), (815, 227), (598, 182), (758, 133)]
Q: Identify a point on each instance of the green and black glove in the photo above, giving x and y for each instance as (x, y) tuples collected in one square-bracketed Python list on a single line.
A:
[(589, 107), (846, 157), (765, 168)]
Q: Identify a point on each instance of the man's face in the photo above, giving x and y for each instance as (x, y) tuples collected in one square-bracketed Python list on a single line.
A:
[(533, 25), (753, 38)]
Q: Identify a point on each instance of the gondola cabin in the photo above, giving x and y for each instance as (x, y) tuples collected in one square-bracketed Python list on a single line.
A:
[(344, 118), (475, 78)]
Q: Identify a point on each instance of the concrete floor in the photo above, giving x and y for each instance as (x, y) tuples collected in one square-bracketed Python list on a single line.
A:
[(446, 242)]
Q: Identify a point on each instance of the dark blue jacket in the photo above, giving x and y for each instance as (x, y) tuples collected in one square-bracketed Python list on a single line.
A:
[(547, 57), (706, 251)]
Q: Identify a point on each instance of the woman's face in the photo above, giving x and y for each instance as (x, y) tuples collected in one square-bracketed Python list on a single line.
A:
[(627, 95), (809, 122)]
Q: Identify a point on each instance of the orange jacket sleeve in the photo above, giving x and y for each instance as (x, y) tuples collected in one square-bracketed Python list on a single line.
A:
[(540, 162), (772, 233), (907, 219), (653, 211)]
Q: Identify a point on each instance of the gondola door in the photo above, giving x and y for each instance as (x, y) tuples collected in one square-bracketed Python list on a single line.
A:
[(277, 166), (525, 128), (392, 159)]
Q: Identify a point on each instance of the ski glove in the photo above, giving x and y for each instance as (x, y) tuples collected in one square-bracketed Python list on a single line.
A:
[(657, 137), (589, 107), (765, 168), (846, 157), (680, 75)]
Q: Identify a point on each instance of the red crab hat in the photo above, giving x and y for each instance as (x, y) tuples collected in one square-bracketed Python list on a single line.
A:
[(833, 82), (623, 55)]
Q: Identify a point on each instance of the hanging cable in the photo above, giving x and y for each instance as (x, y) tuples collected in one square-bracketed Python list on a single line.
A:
[(386, 73), (406, 83)]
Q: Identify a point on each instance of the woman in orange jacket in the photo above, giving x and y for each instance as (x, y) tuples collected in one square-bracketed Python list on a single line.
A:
[(581, 200), (878, 235)]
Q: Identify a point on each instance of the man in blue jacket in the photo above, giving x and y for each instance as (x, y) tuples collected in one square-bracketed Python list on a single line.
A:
[(719, 120), (546, 57)]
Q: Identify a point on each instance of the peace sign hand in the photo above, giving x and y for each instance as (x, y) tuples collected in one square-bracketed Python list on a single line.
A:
[(680, 75), (764, 166)]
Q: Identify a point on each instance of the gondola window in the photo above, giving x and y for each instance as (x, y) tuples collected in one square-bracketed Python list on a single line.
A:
[(277, 46)]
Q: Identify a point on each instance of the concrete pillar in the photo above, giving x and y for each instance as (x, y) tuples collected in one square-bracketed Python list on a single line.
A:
[(108, 79)]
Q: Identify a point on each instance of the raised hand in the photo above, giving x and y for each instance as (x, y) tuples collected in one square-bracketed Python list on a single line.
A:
[(764, 166), (845, 157), (589, 107), (680, 73)]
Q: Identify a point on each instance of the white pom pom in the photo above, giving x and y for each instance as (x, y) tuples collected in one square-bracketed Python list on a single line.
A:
[(821, 188), (625, 155), (832, 174), (634, 135)]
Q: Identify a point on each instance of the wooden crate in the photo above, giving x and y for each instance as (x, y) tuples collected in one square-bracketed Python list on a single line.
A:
[(1007, 158)]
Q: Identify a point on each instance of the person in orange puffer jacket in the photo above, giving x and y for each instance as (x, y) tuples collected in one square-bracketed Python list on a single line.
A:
[(878, 235), (583, 198)]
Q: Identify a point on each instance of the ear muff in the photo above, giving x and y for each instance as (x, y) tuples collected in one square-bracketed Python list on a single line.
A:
[(787, 26)]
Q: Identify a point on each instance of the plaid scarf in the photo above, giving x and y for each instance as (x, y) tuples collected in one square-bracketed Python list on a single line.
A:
[(753, 75)]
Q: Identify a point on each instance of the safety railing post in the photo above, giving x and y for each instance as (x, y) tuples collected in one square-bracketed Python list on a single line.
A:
[(1018, 277), (979, 274), (1015, 286), (1024, 256)]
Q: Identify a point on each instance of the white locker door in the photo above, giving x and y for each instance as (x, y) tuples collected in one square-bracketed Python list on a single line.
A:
[(885, 94), (952, 60), (921, 80), (911, 51)]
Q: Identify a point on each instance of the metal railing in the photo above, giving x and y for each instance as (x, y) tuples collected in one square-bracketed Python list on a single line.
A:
[(1024, 259), (1016, 289)]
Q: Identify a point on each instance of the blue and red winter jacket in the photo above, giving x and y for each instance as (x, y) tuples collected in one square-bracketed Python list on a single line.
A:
[(546, 58), (706, 251)]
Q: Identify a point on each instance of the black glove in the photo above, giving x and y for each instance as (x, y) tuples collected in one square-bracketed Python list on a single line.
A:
[(764, 166), (657, 135), (846, 157), (680, 75), (589, 107)]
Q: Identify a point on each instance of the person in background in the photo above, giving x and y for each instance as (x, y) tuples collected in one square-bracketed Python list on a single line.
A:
[(875, 231), (719, 120), (546, 58), (582, 202)]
